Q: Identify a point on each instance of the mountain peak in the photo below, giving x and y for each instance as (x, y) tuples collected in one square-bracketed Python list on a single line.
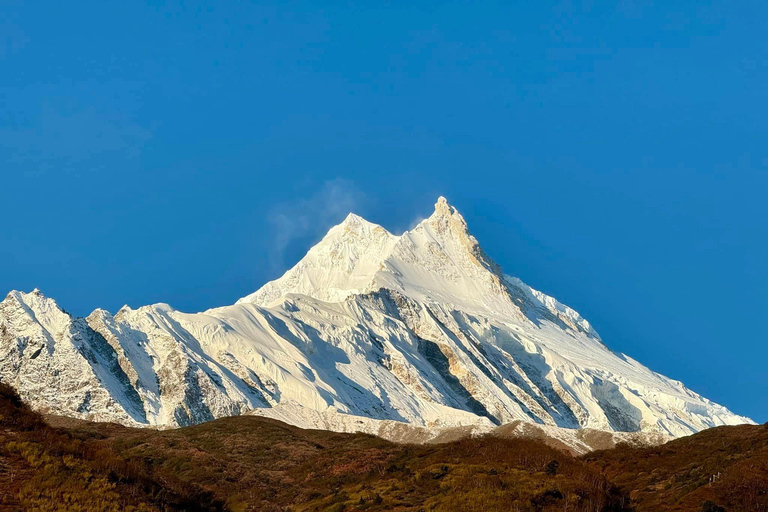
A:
[(443, 208), (353, 219), (447, 219), (355, 225), (34, 296), (341, 264), (352, 231)]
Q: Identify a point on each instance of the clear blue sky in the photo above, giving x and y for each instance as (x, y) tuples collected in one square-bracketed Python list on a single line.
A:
[(613, 155)]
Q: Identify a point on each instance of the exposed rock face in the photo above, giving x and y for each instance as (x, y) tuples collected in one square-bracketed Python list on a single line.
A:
[(368, 331)]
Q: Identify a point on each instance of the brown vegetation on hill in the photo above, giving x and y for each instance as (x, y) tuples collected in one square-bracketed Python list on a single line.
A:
[(723, 468), (48, 469), (249, 463)]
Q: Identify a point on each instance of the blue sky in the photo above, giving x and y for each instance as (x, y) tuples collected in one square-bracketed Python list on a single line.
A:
[(610, 154)]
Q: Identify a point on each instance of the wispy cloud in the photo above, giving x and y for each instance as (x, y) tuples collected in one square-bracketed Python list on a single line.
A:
[(310, 217)]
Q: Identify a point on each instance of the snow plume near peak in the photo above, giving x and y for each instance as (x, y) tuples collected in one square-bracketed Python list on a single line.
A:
[(307, 217)]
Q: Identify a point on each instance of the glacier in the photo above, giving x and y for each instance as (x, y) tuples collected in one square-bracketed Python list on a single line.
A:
[(370, 331)]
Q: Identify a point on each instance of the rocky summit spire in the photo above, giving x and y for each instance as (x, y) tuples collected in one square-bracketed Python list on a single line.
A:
[(443, 209), (447, 218), (449, 224), (442, 204)]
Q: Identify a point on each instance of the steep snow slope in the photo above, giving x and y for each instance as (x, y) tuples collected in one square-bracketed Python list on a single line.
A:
[(422, 328)]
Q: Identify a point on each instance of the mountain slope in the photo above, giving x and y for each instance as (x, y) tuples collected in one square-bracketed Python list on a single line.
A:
[(421, 328)]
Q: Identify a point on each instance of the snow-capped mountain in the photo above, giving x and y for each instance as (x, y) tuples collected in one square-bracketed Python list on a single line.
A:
[(368, 331)]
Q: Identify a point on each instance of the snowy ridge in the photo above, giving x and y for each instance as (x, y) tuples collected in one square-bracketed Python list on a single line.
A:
[(369, 331)]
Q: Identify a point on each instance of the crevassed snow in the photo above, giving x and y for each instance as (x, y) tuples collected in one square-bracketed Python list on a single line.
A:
[(369, 327)]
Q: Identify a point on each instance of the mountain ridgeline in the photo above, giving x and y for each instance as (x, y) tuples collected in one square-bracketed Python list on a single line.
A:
[(370, 332)]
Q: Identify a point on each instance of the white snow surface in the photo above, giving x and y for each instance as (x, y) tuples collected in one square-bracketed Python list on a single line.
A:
[(368, 331)]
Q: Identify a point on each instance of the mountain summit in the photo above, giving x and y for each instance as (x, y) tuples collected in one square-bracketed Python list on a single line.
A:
[(438, 260), (368, 331)]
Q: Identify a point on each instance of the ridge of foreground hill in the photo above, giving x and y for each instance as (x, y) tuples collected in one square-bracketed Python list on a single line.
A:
[(248, 463)]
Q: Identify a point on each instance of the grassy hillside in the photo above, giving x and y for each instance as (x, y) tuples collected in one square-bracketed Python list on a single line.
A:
[(727, 466), (249, 463), (50, 469)]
